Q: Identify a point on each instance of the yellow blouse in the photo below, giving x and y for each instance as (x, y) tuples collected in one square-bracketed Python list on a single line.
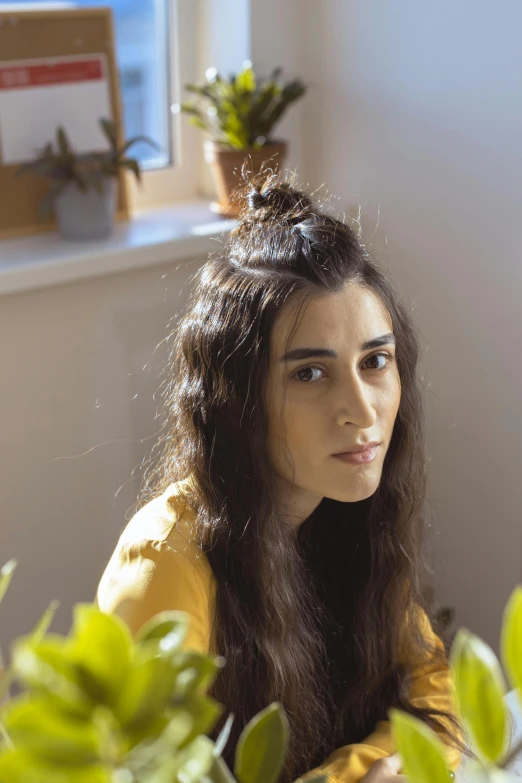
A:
[(157, 565)]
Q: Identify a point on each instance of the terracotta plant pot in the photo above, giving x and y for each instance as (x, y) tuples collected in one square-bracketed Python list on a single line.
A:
[(225, 167)]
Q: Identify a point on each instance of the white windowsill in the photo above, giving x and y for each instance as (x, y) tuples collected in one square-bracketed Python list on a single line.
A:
[(153, 236)]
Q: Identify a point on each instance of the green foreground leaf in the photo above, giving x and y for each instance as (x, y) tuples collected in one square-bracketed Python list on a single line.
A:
[(101, 645), (511, 639), (262, 746), (49, 735), (480, 691), (421, 750), (20, 766)]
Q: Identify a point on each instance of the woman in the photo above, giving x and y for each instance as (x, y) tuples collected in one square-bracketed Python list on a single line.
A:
[(297, 559)]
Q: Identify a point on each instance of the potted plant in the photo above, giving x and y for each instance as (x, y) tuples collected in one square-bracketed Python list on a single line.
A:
[(240, 114), (83, 186)]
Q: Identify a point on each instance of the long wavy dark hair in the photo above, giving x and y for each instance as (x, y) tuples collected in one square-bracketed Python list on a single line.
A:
[(313, 623)]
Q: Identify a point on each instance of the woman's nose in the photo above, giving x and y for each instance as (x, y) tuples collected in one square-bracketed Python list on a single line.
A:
[(356, 407)]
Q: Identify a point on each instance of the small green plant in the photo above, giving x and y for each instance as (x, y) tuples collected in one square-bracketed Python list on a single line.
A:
[(240, 112), (63, 165), (100, 707), (480, 692)]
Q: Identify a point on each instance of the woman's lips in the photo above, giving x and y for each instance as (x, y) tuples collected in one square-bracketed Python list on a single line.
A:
[(359, 457)]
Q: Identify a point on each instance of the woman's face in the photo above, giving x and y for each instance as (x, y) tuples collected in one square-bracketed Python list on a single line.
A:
[(334, 402)]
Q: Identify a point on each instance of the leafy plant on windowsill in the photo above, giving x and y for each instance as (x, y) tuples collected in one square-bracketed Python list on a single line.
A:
[(88, 170), (241, 112), (100, 707)]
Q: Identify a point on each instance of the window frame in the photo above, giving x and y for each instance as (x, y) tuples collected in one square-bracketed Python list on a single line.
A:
[(180, 179)]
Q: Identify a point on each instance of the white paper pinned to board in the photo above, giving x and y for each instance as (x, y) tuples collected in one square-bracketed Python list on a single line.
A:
[(36, 96)]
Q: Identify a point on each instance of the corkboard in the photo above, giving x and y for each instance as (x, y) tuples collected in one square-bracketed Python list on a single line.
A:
[(26, 35)]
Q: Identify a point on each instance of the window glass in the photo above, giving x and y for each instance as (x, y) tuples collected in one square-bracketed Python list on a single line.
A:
[(141, 29)]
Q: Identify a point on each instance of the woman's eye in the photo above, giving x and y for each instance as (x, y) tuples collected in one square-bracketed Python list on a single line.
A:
[(383, 366), (306, 374), (312, 374)]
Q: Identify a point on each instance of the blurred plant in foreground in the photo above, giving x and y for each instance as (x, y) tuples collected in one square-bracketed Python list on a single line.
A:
[(480, 690), (100, 707)]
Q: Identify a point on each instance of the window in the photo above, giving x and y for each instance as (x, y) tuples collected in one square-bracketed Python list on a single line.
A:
[(153, 64)]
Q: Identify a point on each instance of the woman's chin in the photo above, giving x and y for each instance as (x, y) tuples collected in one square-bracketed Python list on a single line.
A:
[(354, 494)]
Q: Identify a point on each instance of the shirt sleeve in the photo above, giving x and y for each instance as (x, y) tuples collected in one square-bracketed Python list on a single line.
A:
[(431, 686), (146, 577)]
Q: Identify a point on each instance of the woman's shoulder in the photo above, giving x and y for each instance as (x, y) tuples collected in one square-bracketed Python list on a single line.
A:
[(161, 517), (166, 519), (158, 565)]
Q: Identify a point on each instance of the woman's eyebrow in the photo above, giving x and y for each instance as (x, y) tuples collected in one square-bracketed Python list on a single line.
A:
[(315, 353)]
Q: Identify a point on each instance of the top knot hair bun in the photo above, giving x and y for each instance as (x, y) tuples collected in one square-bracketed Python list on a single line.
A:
[(275, 202)]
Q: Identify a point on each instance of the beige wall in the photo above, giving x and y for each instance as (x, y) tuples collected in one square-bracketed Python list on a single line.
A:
[(415, 115), (79, 370)]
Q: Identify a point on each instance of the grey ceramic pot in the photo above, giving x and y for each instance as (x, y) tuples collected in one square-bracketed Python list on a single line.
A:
[(86, 215)]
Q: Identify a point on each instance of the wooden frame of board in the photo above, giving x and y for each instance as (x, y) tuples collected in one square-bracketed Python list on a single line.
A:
[(26, 35)]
